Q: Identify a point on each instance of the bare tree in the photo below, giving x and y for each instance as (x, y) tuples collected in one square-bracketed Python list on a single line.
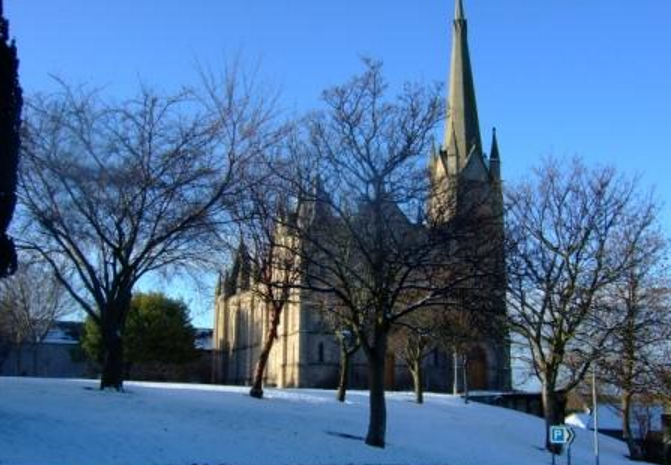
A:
[(349, 346), (362, 250), (572, 233), (641, 299), (413, 340), (661, 376), (264, 221), (118, 191), (335, 319), (31, 302), (459, 330)]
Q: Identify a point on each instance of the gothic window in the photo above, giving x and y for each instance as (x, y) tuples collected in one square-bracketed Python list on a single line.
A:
[(320, 352)]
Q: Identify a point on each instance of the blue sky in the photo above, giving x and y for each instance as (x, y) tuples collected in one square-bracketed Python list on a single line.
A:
[(556, 77)]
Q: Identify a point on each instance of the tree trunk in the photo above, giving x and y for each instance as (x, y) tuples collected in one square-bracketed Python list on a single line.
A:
[(455, 371), (377, 424), (113, 364), (629, 357), (256, 390), (464, 366), (417, 375), (344, 373), (635, 452), (551, 413), (113, 323)]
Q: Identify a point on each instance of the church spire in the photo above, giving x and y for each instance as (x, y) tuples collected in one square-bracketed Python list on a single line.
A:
[(462, 128), (459, 10)]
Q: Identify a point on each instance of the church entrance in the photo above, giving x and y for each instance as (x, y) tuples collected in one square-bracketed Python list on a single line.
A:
[(477, 369)]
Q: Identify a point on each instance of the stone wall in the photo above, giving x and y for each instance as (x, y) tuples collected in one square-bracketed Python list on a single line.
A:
[(47, 360)]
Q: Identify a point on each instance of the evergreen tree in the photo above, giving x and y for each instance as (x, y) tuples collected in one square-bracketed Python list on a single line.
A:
[(158, 330), (10, 121)]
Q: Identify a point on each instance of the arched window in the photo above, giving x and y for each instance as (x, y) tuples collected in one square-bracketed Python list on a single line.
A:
[(320, 352)]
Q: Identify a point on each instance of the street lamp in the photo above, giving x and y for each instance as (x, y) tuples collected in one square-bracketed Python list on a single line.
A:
[(595, 416)]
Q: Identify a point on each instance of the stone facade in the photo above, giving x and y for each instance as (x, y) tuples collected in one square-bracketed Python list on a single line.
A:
[(305, 354)]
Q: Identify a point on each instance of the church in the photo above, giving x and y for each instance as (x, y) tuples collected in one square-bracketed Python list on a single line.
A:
[(306, 354)]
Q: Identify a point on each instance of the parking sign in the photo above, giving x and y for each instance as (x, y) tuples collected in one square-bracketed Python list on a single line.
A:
[(561, 434)]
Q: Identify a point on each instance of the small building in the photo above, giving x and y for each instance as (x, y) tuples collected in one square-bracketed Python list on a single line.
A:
[(58, 355)]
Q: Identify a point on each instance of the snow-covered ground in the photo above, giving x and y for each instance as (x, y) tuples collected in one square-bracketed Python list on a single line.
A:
[(643, 418), (71, 422)]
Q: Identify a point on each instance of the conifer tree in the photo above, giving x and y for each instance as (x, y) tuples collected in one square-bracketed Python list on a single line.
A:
[(10, 121)]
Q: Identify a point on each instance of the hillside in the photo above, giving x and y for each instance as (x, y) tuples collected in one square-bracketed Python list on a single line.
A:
[(71, 422)]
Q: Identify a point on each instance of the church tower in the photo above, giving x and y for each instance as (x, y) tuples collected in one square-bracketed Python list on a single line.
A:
[(460, 158), (467, 202)]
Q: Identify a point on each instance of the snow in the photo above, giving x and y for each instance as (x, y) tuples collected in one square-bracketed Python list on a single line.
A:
[(580, 420), (71, 422), (610, 418)]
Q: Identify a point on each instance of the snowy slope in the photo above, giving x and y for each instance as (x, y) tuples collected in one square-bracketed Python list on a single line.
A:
[(610, 418), (70, 422)]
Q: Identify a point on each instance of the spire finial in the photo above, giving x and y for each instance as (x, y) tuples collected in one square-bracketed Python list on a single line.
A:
[(494, 153), (459, 10)]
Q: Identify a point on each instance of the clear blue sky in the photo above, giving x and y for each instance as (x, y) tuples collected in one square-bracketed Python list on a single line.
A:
[(561, 77)]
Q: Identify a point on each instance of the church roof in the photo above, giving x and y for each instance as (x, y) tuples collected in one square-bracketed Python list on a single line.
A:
[(475, 169)]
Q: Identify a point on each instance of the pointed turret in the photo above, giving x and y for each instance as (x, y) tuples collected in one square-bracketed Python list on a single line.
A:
[(238, 279), (219, 288), (315, 206), (225, 286), (495, 158), (462, 129), (494, 153), (244, 273)]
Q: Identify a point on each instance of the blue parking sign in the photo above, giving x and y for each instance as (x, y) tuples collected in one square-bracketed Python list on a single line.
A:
[(558, 435), (561, 434)]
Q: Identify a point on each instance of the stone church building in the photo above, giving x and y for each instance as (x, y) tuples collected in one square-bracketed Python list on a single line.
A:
[(306, 354)]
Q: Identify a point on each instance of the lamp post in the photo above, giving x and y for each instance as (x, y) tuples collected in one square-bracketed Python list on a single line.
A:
[(595, 416)]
